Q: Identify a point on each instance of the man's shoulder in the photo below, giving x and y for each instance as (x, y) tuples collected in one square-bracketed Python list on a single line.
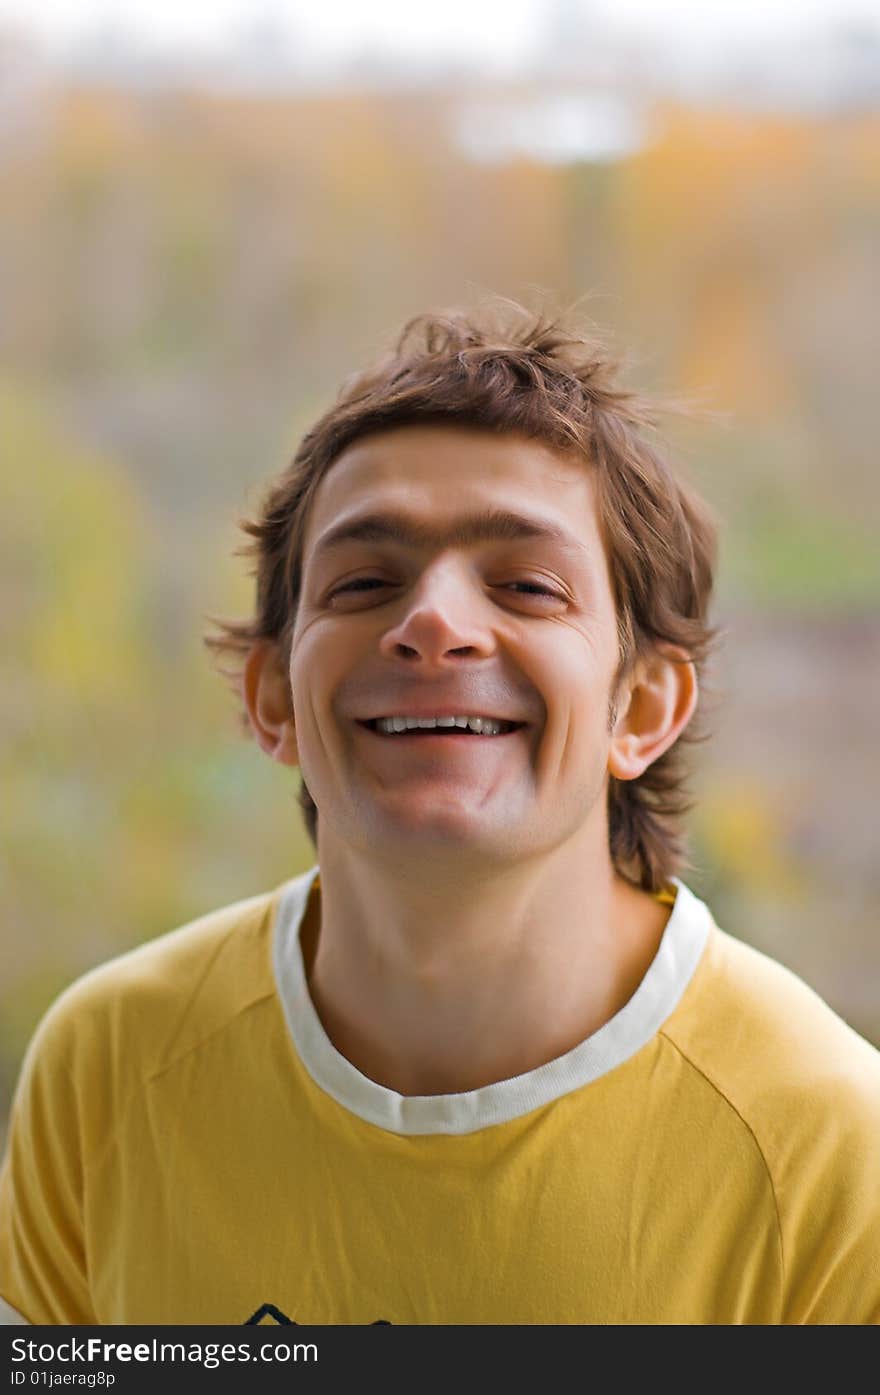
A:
[(777, 1051), (805, 1088), (154, 1002)]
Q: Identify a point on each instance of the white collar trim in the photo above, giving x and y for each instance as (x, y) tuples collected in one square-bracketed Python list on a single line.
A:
[(620, 1038)]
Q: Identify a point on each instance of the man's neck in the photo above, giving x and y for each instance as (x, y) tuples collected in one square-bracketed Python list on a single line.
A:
[(437, 988)]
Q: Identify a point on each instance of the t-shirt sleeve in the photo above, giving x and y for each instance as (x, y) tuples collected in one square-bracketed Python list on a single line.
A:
[(831, 1229), (43, 1259), (835, 1279)]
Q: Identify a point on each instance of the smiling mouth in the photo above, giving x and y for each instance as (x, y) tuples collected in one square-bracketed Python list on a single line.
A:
[(445, 733)]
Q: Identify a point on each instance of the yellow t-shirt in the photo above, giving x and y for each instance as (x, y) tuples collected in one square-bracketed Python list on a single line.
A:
[(187, 1146)]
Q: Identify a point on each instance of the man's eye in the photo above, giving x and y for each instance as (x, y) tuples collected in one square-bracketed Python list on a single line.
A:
[(534, 588), (360, 582)]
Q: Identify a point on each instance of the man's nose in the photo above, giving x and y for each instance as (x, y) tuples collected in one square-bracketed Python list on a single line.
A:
[(443, 619)]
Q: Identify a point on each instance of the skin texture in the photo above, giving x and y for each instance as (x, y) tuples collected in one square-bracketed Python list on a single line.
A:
[(471, 923)]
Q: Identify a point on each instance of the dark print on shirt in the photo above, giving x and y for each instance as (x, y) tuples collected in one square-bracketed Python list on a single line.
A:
[(267, 1312)]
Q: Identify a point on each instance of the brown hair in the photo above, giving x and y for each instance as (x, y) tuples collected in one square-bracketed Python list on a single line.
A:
[(505, 369)]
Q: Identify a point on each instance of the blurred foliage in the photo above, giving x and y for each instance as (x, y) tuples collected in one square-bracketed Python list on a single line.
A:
[(186, 276)]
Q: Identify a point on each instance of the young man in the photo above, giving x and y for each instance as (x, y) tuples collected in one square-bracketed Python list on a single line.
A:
[(490, 1060)]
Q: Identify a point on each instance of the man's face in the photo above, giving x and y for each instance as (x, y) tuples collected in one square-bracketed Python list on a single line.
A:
[(451, 573)]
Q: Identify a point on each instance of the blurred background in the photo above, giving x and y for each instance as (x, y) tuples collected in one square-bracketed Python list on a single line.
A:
[(211, 213)]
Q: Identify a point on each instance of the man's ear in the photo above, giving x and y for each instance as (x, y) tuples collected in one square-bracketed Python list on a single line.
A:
[(267, 697), (657, 706)]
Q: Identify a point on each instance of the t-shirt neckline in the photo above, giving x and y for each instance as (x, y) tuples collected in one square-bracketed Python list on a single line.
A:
[(630, 1029)]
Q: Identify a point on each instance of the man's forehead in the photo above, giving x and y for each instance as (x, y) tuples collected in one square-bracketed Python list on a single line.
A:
[(427, 487)]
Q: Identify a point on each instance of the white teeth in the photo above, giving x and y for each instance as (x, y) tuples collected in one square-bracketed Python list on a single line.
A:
[(481, 726)]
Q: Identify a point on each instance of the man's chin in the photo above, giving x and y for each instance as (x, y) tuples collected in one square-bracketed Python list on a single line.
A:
[(435, 833)]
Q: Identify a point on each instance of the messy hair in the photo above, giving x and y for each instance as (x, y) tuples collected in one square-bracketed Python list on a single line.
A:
[(503, 369)]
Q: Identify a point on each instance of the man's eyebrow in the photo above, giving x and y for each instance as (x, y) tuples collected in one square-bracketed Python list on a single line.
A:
[(493, 525)]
